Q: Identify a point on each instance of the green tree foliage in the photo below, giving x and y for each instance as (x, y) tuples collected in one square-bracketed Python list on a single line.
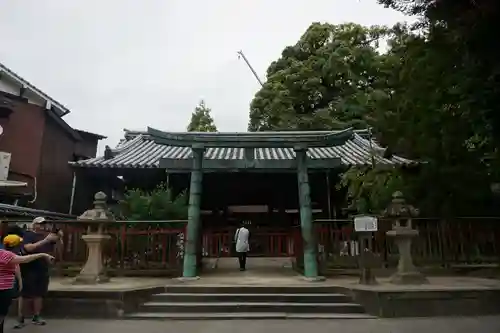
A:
[(369, 190), (470, 29), (431, 97), (325, 81), (158, 204), (201, 120), (428, 112), (453, 72)]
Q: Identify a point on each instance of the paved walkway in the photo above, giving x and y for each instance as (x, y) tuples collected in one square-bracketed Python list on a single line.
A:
[(429, 325), (287, 277)]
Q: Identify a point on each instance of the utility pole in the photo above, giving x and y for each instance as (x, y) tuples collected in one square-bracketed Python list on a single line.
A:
[(372, 152), (240, 54)]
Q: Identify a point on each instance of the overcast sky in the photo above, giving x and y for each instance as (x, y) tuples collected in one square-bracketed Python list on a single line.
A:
[(131, 64)]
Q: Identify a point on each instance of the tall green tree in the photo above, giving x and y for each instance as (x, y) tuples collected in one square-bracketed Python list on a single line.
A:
[(324, 81), (201, 119), (470, 29), (431, 112), (431, 97), (443, 107)]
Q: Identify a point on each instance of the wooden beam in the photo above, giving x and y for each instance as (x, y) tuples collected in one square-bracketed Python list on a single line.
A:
[(247, 165), (253, 139)]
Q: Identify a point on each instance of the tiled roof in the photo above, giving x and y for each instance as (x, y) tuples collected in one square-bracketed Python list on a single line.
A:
[(58, 108), (139, 150), (19, 211)]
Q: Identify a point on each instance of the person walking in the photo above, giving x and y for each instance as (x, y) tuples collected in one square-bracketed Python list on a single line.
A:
[(36, 274), (12, 243), (241, 238), (9, 263)]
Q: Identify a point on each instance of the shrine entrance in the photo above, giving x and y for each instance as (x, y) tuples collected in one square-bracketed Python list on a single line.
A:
[(266, 203), (279, 182), (272, 247)]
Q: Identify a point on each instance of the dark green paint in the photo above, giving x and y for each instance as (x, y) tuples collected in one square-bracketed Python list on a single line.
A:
[(252, 139), (248, 164), (193, 227), (306, 224)]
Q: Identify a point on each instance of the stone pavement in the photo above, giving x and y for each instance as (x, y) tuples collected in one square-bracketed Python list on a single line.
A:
[(287, 277), (412, 325)]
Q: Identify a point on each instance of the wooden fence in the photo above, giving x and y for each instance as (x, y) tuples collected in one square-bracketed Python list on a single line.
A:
[(157, 247), (460, 241), (135, 248)]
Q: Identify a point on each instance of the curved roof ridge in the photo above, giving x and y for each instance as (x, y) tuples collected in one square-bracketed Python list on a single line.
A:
[(358, 139), (126, 144)]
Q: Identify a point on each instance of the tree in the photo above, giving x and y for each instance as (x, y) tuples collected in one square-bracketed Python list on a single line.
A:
[(324, 81), (201, 120), (369, 190), (432, 112), (431, 97), (158, 204), (470, 29)]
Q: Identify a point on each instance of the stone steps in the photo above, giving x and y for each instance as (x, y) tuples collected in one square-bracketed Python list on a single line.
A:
[(271, 306), (243, 315), (249, 302), (251, 297)]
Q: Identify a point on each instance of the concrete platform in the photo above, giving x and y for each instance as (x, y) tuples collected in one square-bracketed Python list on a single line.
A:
[(107, 300), (442, 296)]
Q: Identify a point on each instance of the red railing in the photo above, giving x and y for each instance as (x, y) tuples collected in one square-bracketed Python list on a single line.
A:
[(156, 247), (452, 242), (268, 242), (135, 247)]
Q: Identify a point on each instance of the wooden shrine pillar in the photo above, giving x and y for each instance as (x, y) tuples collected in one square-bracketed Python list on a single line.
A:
[(193, 226), (306, 223)]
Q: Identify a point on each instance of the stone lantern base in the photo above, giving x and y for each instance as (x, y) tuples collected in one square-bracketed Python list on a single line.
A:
[(94, 270), (408, 278), (407, 273)]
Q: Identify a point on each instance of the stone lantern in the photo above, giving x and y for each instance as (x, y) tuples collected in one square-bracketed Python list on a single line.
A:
[(93, 272), (403, 234)]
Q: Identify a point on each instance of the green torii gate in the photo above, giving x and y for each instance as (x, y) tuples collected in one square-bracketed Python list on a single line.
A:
[(300, 142)]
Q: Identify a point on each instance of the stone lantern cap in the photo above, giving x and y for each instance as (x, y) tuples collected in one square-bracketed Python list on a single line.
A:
[(100, 212), (399, 208)]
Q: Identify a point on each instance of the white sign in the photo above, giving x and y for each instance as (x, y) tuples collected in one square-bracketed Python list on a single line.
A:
[(4, 165), (365, 223)]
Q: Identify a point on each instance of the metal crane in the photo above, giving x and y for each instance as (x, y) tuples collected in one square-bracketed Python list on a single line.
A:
[(240, 54)]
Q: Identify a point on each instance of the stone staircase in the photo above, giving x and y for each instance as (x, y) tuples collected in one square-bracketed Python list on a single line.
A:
[(250, 302)]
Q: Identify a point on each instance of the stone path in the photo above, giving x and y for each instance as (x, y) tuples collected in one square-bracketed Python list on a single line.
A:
[(413, 325), (261, 277)]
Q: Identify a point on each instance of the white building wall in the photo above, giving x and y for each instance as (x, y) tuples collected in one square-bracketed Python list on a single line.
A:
[(8, 86)]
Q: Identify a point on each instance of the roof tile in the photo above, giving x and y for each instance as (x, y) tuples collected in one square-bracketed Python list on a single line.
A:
[(139, 150)]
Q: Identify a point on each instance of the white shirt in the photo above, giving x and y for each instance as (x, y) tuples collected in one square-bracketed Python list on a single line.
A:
[(241, 238)]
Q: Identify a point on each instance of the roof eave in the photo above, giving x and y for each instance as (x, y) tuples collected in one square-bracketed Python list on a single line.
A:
[(59, 109), (250, 140), (98, 136)]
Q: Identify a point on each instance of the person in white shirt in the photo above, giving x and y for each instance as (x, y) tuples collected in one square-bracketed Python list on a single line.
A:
[(242, 247)]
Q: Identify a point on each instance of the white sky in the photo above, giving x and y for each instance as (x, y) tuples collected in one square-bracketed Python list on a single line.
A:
[(131, 64)]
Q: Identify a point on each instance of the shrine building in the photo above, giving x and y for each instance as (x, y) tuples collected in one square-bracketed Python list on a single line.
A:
[(272, 180)]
